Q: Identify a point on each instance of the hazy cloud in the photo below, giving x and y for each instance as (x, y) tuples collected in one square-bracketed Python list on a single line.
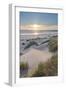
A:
[(39, 27)]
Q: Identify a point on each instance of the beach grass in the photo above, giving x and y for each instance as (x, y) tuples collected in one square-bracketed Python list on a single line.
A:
[(24, 66), (50, 68), (53, 44)]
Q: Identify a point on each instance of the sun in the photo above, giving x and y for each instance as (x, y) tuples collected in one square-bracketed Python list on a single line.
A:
[(35, 26)]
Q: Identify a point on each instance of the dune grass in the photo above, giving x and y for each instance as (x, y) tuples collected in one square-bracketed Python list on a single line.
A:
[(53, 44), (50, 68), (24, 66)]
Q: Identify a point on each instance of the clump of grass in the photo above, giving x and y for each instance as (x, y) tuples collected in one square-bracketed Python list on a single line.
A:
[(24, 66), (40, 71), (53, 44), (50, 68)]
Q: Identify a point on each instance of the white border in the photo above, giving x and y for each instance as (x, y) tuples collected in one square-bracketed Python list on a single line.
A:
[(60, 62), (15, 50)]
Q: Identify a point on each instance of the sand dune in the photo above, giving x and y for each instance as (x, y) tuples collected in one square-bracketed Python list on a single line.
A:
[(34, 57)]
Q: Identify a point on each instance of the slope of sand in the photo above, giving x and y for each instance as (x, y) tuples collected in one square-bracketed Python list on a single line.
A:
[(34, 57)]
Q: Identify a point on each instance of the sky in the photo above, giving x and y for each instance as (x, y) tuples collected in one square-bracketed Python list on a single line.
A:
[(38, 21)]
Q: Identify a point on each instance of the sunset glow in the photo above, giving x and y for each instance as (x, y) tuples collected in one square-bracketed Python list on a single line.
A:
[(35, 26), (38, 21)]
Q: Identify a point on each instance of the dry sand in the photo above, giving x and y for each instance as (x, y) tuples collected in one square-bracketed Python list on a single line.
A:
[(34, 57)]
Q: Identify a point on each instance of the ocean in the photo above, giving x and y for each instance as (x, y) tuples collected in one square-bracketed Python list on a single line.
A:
[(30, 34)]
